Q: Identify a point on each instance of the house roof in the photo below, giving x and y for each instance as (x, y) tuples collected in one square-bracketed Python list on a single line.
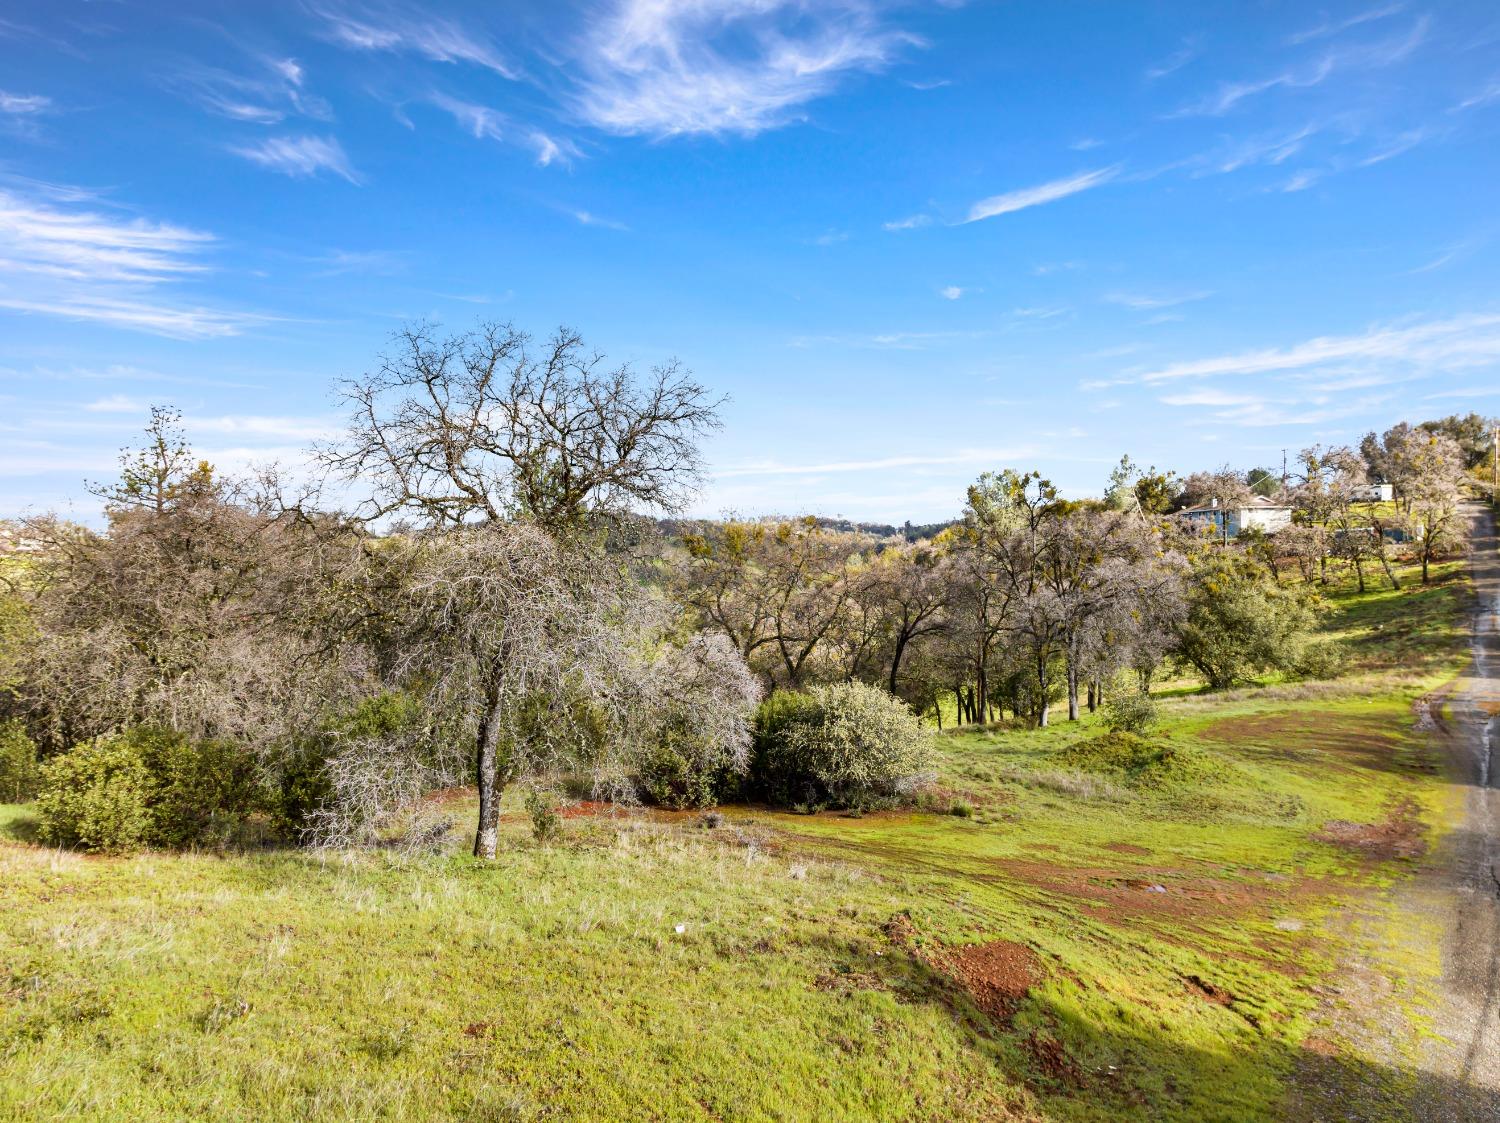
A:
[(1254, 503)]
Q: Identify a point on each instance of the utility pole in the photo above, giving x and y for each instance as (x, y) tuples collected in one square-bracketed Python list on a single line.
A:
[(1495, 467)]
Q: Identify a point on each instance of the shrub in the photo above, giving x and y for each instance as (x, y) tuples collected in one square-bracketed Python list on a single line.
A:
[(19, 772), (202, 792), (546, 823), (699, 730), (1131, 713), (844, 745), (673, 778), (96, 797), (147, 786), (1322, 660)]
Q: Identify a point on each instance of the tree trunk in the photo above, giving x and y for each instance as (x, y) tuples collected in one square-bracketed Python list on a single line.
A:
[(1044, 703), (1359, 572), (1072, 691), (896, 660), (486, 776), (1385, 563)]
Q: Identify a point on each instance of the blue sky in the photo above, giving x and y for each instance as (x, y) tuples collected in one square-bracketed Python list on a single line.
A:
[(911, 241)]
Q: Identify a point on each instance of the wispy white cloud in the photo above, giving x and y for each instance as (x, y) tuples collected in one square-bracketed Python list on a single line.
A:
[(950, 292), (89, 265), (173, 321), (38, 236), (1266, 148), (485, 123), (963, 456), (1487, 96), (1302, 180), (913, 222), (266, 98), (1330, 28), (1355, 57), (380, 263), (388, 27), (299, 156), (681, 67), (552, 150), (24, 105), (1174, 62), (1441, 345), (114, 403), (588, 218), (1144, 302), (1455, 251), (480, 121), (1049, 192)]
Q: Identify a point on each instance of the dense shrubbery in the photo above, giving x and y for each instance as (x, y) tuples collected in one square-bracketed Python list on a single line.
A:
[(698, 747), (1130, 713), (95, 797), (147, 787), (19, 772), (844, 745)]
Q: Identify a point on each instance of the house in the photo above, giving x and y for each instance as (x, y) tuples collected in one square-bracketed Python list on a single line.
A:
[(1377, 493), (1256, 513)]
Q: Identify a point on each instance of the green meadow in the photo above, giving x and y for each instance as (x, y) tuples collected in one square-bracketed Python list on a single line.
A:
[(1076, 926)]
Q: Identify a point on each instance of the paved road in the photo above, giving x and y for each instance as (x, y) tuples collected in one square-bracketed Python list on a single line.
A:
[(1466, 1064)]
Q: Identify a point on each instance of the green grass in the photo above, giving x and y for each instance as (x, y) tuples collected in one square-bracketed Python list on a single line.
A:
[(553, 983)]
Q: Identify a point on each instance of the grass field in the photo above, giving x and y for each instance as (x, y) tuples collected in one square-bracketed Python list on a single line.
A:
[(1103, 930)]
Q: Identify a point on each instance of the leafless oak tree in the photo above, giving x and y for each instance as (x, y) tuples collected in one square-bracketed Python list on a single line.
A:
[(487, 425)]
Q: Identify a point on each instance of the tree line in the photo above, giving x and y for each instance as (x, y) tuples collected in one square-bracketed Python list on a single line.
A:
[(499, 607)]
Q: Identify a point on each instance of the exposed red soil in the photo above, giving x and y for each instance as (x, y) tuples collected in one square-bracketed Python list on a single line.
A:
[(1342, 740), (1138, 891), (1202, 987), (1052, 1059), (587, 808), (1126, 848), (996, 975), (1399, 836)]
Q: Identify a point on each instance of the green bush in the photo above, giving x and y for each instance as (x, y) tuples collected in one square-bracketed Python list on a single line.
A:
[(671, 778), (147, 787), (1131, 713), (546, 823), (96, 796), (1322, 660), (844, 745), (19, 771), (203, 792)]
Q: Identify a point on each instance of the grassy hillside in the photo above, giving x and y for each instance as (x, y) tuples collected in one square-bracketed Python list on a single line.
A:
[(1084, 928)]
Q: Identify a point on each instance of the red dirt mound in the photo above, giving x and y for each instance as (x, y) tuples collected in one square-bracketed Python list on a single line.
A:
[(1400, 836), (997, 975)]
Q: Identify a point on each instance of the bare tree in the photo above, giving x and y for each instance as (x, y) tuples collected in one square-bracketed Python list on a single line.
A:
[(523, 640), (486, 425)]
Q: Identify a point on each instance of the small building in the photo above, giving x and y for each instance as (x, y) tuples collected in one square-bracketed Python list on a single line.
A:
[(1257, 513), (1377, 493)]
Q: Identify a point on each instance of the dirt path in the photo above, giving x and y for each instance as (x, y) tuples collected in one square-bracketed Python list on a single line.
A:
[(1467, 1061), (1451, 1075)]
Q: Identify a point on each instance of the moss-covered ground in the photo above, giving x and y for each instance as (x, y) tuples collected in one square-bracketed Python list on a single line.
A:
[(1083, 927)]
